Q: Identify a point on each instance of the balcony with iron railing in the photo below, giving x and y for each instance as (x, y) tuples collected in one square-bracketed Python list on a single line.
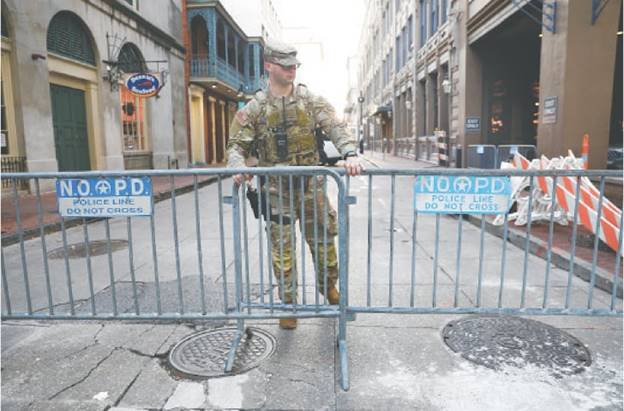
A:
[(203, 68)]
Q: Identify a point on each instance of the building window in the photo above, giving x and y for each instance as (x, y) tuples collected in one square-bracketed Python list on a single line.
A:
[(423, 22), (241, 57), (133, 121), (443, 10), (133, 3), (252, 68), (410, 32), (4, 132), (398, 53), (131, 60), (231, 51), (220, 39), (199, 38), (68, 37), (133, 117), (404, 45), (434, 17)]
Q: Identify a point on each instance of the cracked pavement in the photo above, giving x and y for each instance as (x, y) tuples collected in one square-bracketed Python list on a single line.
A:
[(396, 362)]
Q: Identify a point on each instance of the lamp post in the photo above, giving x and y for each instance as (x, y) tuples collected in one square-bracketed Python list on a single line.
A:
[(361, 126)]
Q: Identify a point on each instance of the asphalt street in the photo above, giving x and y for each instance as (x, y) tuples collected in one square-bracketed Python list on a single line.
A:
[(396, 361)]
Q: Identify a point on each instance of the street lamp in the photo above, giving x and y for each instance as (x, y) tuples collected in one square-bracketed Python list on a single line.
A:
[(360, 127)]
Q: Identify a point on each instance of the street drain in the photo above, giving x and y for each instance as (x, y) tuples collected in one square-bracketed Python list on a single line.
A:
[(204, 354), (499, 340), (79, 250)]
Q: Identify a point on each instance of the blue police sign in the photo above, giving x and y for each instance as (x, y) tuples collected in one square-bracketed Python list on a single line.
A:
[(143, 84), (104, 197), (462, 194)]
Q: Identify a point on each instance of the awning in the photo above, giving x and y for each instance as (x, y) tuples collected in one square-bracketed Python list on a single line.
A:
[(387, 109)]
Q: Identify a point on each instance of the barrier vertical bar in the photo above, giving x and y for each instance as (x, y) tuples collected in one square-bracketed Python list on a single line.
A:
[(573, 250), (246, 243), (553, 202), (222, 243), (293, 240), (260, 237), (370, 240), (325, 299), (618, 261), (316, 254), (155, 259), (131, 261), (68, 277), (413, 273), (480, 274), (176, 245), (302, 224), (5, 284), (342, 275), (20, 232), (435, 259), (200, 262), (526, 243), (592, 281), (111, 271), (269, 229), (280, 204), (44, 251), (391, 267), (503, 259), (89, 268), (458, 260)]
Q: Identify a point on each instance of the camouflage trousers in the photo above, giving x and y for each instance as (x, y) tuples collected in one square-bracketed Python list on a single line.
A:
[(305, 203)]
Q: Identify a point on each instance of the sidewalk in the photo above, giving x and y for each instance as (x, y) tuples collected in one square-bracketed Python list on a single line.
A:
[(538, 240), (49, 210)]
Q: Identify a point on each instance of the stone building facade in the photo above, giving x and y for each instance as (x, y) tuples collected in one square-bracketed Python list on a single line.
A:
[(64, 103), (494, 72)]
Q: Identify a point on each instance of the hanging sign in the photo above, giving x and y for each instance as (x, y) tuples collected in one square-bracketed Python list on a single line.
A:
[(143, 84), (104, 197)]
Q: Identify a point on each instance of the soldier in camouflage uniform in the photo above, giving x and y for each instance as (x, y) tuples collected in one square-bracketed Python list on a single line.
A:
[(255, 127)]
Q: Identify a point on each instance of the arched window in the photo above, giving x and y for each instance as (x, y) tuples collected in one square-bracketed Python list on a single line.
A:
[(131, 60), (199, 37), (69, 37)]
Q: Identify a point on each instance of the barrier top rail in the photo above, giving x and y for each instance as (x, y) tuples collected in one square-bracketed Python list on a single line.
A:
[(309, 170)]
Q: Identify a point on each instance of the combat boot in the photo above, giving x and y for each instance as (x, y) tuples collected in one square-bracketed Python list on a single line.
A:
[(333, 296), (289, 323)]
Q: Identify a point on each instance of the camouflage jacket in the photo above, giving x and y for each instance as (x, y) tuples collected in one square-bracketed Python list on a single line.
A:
[(255, 125)]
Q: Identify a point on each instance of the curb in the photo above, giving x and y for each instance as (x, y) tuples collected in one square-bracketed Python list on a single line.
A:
[(30, 233), (559, 258)]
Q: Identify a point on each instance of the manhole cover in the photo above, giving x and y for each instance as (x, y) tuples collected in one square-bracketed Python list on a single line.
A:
[(497, 340), (204, 354), (79, 250)]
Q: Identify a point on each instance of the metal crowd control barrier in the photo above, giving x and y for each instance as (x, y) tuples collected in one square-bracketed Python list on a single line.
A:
[(507, 151), (192, 265), (428, 263), (184, 261), (481, 156)]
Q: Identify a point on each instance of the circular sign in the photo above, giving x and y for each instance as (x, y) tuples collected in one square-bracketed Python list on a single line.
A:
[(143, 84)]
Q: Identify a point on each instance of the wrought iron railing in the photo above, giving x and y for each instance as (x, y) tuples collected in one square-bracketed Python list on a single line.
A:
[(14, 164)]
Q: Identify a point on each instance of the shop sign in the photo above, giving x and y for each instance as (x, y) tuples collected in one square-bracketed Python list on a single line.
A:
[(549, 114), (473, 124), (143, 84)]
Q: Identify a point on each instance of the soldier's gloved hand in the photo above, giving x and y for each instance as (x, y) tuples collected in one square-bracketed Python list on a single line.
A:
[(353, 165), (240, 178)]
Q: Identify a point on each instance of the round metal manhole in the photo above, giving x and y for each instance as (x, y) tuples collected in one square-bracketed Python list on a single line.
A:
[(79, 250), (500, 340), (204, 354)]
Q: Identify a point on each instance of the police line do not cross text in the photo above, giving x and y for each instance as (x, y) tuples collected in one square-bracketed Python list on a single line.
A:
[(462, 194)]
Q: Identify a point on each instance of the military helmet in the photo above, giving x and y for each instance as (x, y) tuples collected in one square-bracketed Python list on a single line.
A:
[(280, 53)]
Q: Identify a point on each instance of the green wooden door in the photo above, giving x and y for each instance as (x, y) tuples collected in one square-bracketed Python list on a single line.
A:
[(70, 128)]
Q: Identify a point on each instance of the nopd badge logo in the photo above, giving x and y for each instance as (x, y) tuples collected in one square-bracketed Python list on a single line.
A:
[(143, 84)]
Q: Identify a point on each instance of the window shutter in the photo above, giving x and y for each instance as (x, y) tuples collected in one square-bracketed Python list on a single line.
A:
[(67, 36)]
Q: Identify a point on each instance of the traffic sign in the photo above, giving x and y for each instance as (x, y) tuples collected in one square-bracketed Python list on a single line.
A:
[(104, 197), (462, 194)]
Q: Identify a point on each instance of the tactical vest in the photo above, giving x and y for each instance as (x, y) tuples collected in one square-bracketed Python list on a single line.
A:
[(296, 118)]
